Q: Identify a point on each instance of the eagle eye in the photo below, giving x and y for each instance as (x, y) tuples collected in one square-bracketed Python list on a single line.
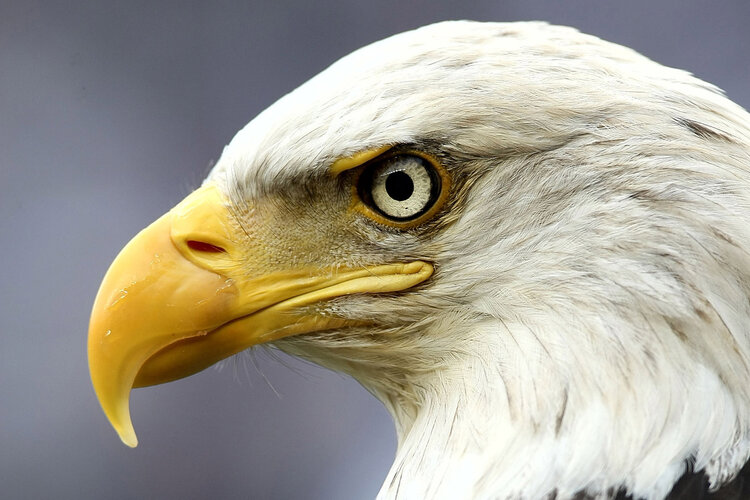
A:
[(401, 188)]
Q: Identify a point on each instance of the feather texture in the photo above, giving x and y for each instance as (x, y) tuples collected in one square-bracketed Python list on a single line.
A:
[(587, 331)]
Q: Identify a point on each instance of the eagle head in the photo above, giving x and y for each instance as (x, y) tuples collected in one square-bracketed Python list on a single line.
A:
[(533, 246)]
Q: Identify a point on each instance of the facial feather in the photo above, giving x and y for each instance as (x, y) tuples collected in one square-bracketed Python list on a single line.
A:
[(587, 327)]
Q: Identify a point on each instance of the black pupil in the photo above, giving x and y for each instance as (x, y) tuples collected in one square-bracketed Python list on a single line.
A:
[(399, 186)]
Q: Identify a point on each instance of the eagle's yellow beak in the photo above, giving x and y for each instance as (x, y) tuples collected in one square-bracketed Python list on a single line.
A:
[(179, 297)]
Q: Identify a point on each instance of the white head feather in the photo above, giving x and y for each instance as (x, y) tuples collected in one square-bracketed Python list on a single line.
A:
[(588, 326)]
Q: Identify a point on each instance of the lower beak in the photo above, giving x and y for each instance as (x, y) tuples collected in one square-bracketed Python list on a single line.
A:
[(177, 300)]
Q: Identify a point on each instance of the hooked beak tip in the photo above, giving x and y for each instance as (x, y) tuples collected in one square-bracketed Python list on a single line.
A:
[(128, 438)]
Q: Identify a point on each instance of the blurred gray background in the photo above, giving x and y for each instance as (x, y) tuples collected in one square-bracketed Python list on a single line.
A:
[(111, 112)]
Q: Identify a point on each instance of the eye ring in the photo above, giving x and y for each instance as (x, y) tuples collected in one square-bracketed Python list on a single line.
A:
[(401, 189)]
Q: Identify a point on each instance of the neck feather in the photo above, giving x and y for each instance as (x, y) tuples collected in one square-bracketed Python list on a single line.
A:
[(542, 408), (510, 417)]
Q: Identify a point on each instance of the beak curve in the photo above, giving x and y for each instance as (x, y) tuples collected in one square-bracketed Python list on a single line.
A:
[(176, 300)]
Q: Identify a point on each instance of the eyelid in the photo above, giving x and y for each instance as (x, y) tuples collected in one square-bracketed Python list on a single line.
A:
[(357, 159), (360, 206)]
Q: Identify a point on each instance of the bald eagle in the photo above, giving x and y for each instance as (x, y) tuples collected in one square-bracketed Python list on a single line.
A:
[(533, 246)]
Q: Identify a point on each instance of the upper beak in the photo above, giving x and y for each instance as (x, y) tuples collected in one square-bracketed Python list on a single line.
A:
[(177, 299)]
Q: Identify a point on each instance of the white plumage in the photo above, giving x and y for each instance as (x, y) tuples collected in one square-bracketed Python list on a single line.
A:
[(589, 324), (587, 328)]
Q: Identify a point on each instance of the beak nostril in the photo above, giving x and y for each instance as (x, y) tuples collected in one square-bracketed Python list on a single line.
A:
[(202, 246)]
